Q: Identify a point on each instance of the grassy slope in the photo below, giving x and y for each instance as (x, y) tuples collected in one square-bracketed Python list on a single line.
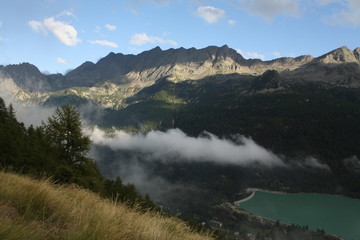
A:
[(31, 209)]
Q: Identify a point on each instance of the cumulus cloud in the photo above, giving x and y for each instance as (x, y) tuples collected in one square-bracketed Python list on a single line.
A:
[(110, 27), (251, 55), (210, 14), (37, 26), (174, 144), (104, 43), (143, 38), (268, 9), (64, 32), (61, 60)]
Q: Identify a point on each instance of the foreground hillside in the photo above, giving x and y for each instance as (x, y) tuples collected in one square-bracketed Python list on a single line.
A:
[(31, 209)]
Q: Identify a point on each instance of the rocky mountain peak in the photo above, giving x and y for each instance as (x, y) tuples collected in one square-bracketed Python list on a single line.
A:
[(340, 55), (222, 53), (156, 49), (23, 68), (269, 80), (27, 76)]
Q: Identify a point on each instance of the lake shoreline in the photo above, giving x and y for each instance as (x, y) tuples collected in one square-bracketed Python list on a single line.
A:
[(253, 192), (344, 231)]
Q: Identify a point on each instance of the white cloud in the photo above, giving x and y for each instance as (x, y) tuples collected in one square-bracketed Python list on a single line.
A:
[(252, 55), (143, 38), (174, 145), (268, 9), (64, 32), (104, 43), (210, 14), (277, 54), (231, 22), (110, 27), (37, 26), (1, 23), (61, 60)]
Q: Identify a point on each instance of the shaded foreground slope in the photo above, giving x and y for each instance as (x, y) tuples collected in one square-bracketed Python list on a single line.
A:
[(31, 209)]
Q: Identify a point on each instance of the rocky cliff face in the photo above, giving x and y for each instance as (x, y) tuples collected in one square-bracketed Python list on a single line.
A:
[(26, 76), (340, 55), (340, 67)]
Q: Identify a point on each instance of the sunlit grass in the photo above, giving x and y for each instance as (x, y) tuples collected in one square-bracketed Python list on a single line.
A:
[(31, 209)]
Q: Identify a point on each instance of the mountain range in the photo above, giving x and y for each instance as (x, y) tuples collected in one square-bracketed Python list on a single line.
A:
[(125, 75)]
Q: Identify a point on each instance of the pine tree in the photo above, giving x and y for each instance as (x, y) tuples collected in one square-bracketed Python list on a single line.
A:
[(64, 130)]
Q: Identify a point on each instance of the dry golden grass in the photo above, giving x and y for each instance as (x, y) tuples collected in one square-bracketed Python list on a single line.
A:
[(31, 209)]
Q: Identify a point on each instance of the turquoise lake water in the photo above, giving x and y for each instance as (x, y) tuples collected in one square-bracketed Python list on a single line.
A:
[(335, 214)]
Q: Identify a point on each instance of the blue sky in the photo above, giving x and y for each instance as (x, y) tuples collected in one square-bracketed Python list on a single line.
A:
[(59, 35)]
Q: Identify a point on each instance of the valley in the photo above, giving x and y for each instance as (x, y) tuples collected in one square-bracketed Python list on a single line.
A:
[(298, 116)]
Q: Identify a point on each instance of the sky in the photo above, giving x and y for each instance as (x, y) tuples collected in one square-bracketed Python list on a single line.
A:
[(59, 35)]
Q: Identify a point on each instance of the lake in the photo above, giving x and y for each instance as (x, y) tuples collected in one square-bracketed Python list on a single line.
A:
[(335, 214)]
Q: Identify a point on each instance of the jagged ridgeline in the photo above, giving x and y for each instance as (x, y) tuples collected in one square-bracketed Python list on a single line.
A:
[(117, 76)]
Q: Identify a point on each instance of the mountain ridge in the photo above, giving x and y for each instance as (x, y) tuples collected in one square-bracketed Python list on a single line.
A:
[(178, 64), (117, 76)]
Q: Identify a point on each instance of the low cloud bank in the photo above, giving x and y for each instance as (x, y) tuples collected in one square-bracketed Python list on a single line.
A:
[(174, 144), (130, 156)]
